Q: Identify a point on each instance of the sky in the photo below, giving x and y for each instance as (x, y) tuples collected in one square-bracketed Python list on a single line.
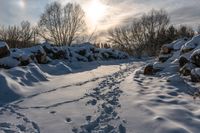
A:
[(103, 14)]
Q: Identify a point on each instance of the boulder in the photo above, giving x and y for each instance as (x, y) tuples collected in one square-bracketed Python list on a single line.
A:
[(182, 61), (164, 58), (55, 52), (8, 62), (41, 57), (195, 75), (148, 70), (186, 69), (4, 50), (166, 49), (195, 57), (190, 45), (39, 54), (23, 57)]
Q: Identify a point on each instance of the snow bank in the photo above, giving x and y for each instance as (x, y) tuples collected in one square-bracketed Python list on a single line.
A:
[(180, 56), (46, 52)]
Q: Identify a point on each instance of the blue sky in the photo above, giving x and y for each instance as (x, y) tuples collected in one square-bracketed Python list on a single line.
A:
[(117, 11)]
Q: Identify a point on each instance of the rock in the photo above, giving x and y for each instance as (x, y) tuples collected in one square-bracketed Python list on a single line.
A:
[(8, 62), (4, 50), (166, 50), (186, 69), (39, 54), (195, 75), (164, 58), (195, 57), (54, 52), (23, 57), (182, 61), (149, 70), (186, 50), (82, 52), (190, 45), (60, 54), (41, 57)]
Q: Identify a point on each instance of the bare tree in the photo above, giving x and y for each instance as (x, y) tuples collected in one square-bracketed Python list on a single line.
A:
[(62, 25), (26, 33), (145, 34), (172, 33), (3, 33), (18, 36), (13, 36), (185, 31), (154, 23)]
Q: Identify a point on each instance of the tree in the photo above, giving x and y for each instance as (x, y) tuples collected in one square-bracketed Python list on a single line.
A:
[(185, 31), (60, 25), (26, 33), (172, 33), (144, 35), (12, 36), (155, 22), (18, 36)]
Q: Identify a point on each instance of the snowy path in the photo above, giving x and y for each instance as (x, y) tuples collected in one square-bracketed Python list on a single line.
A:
[(98, 97), (108, 99)]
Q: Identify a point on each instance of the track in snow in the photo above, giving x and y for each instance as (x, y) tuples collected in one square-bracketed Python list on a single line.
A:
[(104, 97)]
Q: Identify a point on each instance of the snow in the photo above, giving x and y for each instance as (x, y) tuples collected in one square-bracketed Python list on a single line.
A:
[(193, 43), (177, 44), (196, 72), (196, 52), (9, 62), (103, 96), (3, 44), (45, 53), (89, 93)]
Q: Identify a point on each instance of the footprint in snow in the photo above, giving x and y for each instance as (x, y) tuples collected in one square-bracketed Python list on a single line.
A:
[(88, 118), (92, 102), (52, 112), (122, 129), (75, 130), (68, 120)]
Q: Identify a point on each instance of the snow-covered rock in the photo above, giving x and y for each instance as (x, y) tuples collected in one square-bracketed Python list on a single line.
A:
[(195, 57), (46, 52), (192, 44), (4, 49), (8, 62), (186, 69), (182, 61), (195, 75), (39, 53), (150, 69), (56, 52), (180, 56)]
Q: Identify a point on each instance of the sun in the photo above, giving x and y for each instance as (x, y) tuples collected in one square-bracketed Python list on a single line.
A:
[(22, 3), (95, 11)]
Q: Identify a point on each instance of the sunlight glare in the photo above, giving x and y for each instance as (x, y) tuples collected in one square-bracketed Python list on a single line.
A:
[(95, 11), (22, 3)]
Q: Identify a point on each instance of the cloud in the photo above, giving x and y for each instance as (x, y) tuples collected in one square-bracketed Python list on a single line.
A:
[(118, 11)]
